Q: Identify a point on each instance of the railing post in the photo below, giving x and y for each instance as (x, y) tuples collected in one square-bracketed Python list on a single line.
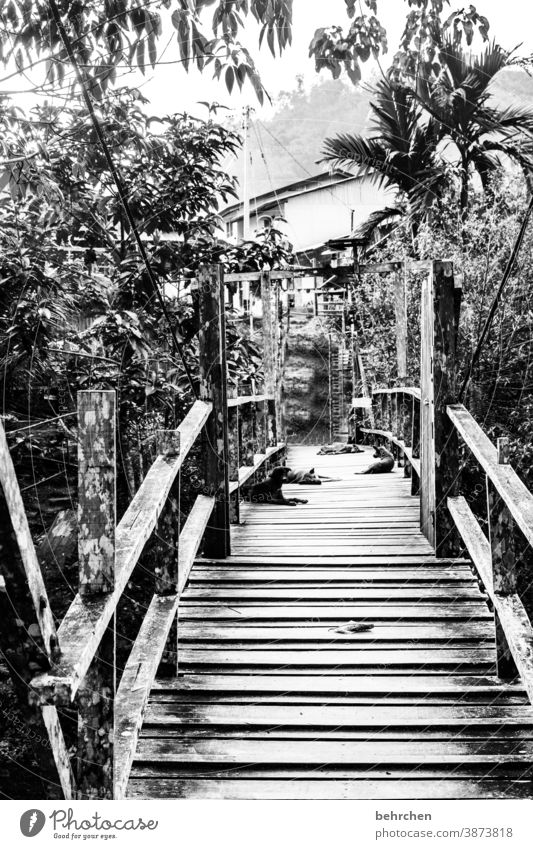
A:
[(213, 388), (246, 427), (400, 308), (439, 443), (96, 555), (415, 443), (502, 544), (234, 452), (407, 429), (165, 549)]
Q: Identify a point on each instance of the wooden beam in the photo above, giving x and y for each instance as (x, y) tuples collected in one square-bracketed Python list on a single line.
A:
[(248, 399), (413, 391), (507, 484), (85, 622), (213, 388), (145, 657), (439, 447), (400, 309), (32, 570), (96, 555), (22, 651), (96, 491), (503, 552), (511, 613)]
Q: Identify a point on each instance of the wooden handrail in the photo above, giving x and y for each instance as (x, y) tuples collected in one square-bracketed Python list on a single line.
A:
[(511, 489), (141, 668), (249, 399), (86, 620), (413, 391), (510, 610), (405, 449)]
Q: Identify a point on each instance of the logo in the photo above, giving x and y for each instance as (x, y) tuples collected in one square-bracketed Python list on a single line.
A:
[(32, 822)]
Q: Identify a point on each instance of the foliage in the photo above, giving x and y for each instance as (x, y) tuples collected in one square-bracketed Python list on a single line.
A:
[(400, 153)]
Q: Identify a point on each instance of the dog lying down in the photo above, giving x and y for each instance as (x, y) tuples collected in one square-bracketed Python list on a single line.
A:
[(384, 464), (309, 478), (270, 491), (340, 448)]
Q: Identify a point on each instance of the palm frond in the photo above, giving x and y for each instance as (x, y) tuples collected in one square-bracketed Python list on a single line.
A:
[(377, 219)]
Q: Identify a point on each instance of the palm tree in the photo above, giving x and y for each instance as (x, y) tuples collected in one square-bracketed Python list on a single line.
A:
[(400, 154), (482, 134)]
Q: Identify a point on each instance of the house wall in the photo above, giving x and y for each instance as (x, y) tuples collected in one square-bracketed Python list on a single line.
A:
[(324, 213)]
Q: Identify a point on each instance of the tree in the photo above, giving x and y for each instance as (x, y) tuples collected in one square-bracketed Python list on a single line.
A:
[(401, 153), (482, 134)]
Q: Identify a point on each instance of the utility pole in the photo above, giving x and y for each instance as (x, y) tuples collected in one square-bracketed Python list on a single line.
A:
[(245, 182), (246, 201)]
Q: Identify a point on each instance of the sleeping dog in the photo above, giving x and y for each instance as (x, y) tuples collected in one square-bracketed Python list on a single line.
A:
[(340, 448), (309, 478), (384, 464), (269, 491)]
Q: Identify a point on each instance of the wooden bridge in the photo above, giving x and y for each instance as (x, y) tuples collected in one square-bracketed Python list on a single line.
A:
[(275, 689)]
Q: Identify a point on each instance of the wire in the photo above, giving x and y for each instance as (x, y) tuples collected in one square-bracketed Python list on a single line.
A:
[(121, 191)]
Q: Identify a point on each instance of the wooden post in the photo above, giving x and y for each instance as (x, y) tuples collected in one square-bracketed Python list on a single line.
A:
[(502, 543), (96, 555), (415, 443), (246, 427), (234, 451), (400, 308), (439, 442), (213, 388), (165, 548)]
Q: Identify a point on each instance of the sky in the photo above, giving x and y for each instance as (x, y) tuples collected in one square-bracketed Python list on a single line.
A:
[(171, 89)]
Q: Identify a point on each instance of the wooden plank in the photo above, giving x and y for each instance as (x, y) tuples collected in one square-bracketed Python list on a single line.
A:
[(339, 612), (351, 576), (59, 750), (32, 570), (359, 685), (413, 391), (191, 537), (512, 615), (249, 399), (313, 788), (335, 752), (140, 670), (355, 656), (85, 622), (511, 489), (342, 593), (339, 716), (274, 633), (213, 388)]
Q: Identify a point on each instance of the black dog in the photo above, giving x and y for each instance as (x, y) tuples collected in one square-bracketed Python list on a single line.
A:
[(383, 465), (269, 491), (309, 478)]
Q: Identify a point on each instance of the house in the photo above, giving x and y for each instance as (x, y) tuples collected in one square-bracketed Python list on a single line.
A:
[(310, 213)]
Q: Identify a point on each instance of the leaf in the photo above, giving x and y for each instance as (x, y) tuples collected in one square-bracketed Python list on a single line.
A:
[(230, 78)]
